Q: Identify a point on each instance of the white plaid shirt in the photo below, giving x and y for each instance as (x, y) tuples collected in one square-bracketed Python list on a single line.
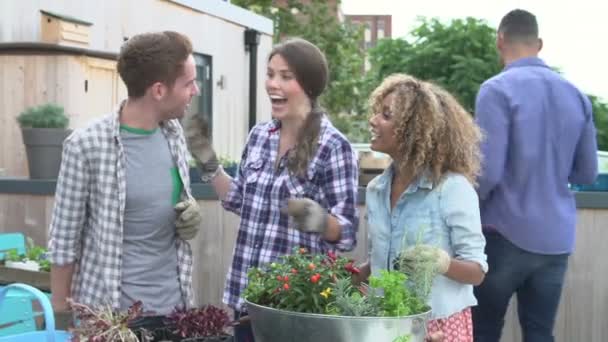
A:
[(87, 224)]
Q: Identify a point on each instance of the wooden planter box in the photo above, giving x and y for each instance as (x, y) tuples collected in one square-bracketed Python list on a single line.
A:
[(39, 280)]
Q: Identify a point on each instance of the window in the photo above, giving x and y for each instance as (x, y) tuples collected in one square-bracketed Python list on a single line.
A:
[(202, 104), (380, 30)]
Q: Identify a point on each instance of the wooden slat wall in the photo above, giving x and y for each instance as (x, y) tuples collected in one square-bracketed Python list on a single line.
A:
[(582, 313), (32, 80)]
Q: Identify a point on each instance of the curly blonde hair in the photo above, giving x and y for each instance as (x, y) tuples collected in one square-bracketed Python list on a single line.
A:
[(433, 130)]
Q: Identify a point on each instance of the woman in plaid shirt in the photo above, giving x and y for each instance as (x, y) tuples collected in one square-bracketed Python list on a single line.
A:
[(297, 181)]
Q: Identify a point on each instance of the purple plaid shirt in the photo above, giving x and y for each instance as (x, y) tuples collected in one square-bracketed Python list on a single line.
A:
[(259, 190)]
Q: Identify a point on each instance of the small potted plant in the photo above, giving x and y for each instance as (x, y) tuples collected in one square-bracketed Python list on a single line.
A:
[(206, 324), (44, 128), (33, 260), (22, 262), (315, 290), (104, 324)]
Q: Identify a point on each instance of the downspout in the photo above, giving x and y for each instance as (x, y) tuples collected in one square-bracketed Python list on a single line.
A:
[(252, 40)]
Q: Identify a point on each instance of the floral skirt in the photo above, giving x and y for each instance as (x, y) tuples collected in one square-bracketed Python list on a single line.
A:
[(455, 328)]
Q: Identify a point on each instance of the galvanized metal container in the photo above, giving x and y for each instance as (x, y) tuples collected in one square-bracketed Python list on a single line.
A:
[(272, 325)]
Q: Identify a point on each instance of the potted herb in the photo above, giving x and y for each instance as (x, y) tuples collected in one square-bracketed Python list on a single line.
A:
[(44, 128), (314, 292), (206, 324)]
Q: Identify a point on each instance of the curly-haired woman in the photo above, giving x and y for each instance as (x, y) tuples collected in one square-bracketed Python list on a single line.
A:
[(424, 209)]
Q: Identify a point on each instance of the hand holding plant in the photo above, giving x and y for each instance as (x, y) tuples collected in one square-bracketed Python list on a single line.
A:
[(421, 264), (411, 258)]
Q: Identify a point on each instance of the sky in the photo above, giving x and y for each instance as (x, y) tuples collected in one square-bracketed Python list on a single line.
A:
[(574, 32)]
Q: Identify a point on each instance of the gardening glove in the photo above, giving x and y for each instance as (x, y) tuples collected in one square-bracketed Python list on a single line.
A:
[(188, 219), (411, 259), (308, 215), (196, 131)]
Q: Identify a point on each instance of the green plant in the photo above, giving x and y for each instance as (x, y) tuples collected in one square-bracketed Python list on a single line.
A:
[(44, 116), (45, 265), (353, 302), (13, 255), (39, 255), (299, 282), (600, 114), (35, 253), (403, 338), (459, 55), (322, 284), (397, 300)]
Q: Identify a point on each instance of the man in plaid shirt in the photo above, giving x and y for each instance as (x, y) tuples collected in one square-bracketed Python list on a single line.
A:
[(123, 208)]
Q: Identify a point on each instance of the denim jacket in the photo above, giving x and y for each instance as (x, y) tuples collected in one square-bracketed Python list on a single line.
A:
[(445, 215)]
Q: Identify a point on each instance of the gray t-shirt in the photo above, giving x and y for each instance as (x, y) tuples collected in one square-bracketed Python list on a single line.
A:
[(149, 261)]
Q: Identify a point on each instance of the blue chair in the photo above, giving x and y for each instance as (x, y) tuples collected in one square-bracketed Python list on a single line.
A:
[(48, 335), (10, 241)]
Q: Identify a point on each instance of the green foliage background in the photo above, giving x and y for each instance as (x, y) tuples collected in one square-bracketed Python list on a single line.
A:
[(458, 55)]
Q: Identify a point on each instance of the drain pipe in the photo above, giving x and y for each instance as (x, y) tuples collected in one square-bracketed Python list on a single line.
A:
[(252, 40)]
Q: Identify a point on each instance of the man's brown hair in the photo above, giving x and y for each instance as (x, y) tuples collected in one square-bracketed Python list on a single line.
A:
[(152, 57)]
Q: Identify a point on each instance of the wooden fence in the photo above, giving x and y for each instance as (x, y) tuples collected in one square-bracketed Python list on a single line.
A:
[(582, 314)]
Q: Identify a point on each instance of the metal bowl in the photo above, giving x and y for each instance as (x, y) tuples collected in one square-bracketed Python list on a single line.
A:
[(273, 325)]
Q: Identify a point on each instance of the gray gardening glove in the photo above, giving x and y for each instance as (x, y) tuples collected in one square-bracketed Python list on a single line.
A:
[(188, 219), (196, 131), (307, 214), (412, 258)]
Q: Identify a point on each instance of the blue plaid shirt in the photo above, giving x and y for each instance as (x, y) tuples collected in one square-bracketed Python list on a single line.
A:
[(260, 190)]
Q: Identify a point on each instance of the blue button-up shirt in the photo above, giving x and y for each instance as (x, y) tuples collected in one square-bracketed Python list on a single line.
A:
[(445, 216), (539, 136)]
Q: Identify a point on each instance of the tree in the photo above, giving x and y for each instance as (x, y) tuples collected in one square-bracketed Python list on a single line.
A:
[(315, 22), (459, 56), (600, 114)]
